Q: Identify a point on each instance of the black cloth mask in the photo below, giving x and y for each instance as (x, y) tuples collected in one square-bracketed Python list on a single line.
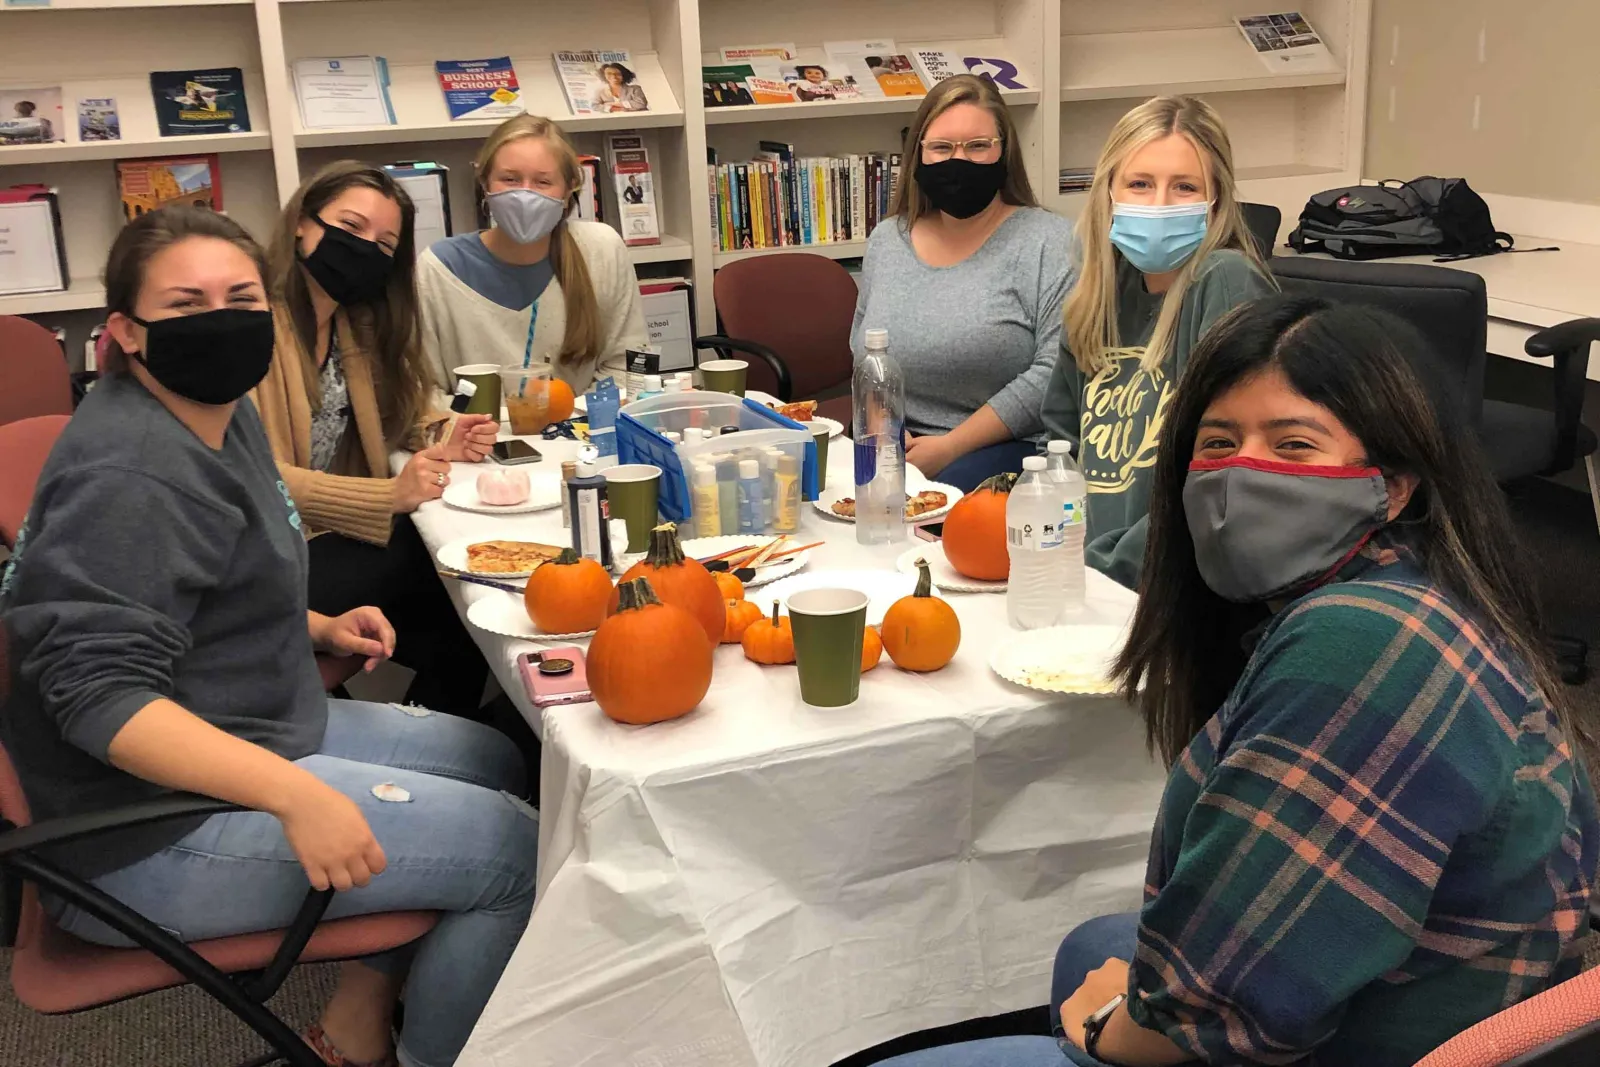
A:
[(959, 187), (350, 269), (214, 357)]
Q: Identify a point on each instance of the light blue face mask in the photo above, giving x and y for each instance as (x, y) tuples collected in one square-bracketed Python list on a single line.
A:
[(525, 214), (1157, 240)]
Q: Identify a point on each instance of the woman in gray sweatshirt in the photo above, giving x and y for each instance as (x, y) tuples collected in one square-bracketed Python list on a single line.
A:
[(156, 603)]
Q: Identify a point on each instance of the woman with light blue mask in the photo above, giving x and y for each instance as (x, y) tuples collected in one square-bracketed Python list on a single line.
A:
[(538, 287), (1165, 254)]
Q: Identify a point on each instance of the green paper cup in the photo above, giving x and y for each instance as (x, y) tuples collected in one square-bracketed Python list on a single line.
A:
[(828, 626), (633, 491), (486, 376), (723, 376), (819, 434)]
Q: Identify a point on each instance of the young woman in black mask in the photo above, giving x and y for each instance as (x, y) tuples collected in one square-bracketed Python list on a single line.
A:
[(346, 388), (967, 274)]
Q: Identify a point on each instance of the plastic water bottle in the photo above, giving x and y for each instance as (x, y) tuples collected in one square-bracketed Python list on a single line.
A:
[(1033, 540), (879, 393), (1074, 517)]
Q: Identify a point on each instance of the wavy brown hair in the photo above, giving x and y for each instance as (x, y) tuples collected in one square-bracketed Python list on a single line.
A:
[(910, 202), (387, 328)]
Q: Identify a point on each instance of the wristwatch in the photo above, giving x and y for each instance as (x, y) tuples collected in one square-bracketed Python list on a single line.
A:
[(1094, 1024)]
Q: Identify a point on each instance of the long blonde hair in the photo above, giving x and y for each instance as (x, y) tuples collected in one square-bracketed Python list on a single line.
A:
[(910, 202), (582, 340), (1091, 311)]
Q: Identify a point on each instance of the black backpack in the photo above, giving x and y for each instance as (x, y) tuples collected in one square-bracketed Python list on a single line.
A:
[(1428, 216)]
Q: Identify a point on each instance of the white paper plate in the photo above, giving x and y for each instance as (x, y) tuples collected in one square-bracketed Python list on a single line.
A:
[(1060, 659), (544, 493), (835, 427), (505, 615), (701, 547), (454, 555), (835, 493), (882, 587), (944, 575)]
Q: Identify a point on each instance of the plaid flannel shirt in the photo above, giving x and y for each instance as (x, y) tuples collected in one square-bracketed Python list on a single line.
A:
[(1380, 839)]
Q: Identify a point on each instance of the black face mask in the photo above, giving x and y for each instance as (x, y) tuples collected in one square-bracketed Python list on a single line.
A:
[(959, 187), (214, 357), (350, 269)]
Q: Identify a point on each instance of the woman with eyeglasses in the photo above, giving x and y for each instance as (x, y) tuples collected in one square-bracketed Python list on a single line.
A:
[(967, 274)]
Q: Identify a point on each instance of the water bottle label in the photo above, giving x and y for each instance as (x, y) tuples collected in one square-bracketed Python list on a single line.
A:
[(1035, 538), (866, 460), (1074, 513)]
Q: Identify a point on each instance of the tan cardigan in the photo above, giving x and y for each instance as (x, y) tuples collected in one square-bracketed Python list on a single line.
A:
[(361, 506)]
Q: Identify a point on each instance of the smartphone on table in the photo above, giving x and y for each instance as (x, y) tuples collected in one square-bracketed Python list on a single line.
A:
[(511, 451), (555, 676), (931, 531)]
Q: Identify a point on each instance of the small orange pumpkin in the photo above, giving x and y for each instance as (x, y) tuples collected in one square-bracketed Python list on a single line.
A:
[(678, 580), (975, 531), (920, 631), (568, 595), (732, 588), (649, 661), (741, 613), (769, 640), (871, 648)]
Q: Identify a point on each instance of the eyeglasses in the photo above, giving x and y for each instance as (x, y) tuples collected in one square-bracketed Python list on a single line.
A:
[(977, 148)]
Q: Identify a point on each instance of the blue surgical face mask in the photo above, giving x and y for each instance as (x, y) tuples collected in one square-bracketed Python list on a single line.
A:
[(1157, 240), (525, 214)]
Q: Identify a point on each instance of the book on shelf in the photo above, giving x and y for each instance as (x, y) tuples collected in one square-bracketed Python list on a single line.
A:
[(97, 119), (1076, 179), (778, 200), (629, 163), (33, 254), (586, 201), (1286, 44), (936, 65), (31, 116), (147, 184), (191, 102), (600, 82), (476, 89), (343, 91), (428, 185)]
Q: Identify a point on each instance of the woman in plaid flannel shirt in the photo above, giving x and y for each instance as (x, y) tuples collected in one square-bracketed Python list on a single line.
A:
[(1375, 831)]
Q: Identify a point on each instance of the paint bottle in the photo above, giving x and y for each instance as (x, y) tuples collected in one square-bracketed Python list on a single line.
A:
[(707, 502), (569, 471), (751, 518), (586, 496), (727, 468), (786, 502)]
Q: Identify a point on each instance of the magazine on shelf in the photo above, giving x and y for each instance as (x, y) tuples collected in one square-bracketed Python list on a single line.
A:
[(479, 88), (629, 163), (428, 185), (190, 102), (33, 255), (726, 85), (147, 184), (766, 59), (895, 74), (31, 116), (770, 90), (822, 80), (97, 119), (849, 58), (1286, 44), (600, 82), (586, 201), (936, 65), (343, 91)]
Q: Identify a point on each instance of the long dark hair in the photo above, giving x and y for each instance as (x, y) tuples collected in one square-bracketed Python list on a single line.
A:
[(1185, 651), (389, 327)]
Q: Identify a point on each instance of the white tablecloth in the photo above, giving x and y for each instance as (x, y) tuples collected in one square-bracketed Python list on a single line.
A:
[(766, 884)]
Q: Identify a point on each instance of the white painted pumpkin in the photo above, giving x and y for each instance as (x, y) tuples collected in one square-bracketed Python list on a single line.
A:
[(503, 487)]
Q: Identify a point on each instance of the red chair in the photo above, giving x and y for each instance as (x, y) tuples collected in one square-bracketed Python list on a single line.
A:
[(1558, 1028), (34, 377), (55, 973), (793, 313), (25, 444)]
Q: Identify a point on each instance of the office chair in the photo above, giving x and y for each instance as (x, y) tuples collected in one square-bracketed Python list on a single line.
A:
[(1263, 221), (34, 377), (1450, 309), (1557, 1028)]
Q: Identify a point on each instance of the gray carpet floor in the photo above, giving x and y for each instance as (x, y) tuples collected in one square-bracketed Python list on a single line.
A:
[(182, 1028)]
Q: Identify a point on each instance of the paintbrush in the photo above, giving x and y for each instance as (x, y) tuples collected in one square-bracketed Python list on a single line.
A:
[(475, 580)]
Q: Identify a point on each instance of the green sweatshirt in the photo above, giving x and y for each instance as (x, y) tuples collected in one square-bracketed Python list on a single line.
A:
[(1114, 418)]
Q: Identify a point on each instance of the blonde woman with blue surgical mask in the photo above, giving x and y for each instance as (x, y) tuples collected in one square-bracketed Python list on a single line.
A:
[(1165, 254)]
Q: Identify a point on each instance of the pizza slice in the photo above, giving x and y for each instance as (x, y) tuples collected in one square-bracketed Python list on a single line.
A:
[(924, 502), (799, 411), (508, 557)]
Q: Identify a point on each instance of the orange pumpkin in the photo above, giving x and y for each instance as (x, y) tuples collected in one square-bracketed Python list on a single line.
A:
[(732, 588), (975, 531), (649, 661), (769, 640), (741, 613), (871, 648), (678, 580), (561, 401), (920, 631), (568, 595)]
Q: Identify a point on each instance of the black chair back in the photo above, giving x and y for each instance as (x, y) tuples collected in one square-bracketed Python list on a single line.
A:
[(1263, 221), (1450, 308)]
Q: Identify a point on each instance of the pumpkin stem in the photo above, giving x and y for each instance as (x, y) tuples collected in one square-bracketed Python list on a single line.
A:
[(636, 593), (924, 579), (568, 557), (774, 613), (999, 483), (665, 549)]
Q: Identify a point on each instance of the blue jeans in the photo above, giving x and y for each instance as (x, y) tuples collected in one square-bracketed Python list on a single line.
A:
[(464, 844), (1085, 949), (965, 472)]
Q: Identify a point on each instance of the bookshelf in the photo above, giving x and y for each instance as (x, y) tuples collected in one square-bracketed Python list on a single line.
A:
[(1084, 63)]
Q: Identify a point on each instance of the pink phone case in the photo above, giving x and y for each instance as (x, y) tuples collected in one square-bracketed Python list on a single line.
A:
[(546, 690)]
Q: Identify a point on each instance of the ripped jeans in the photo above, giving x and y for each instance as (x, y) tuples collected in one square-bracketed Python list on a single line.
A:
[(455, 843)]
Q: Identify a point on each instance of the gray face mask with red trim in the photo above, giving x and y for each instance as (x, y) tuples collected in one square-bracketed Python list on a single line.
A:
[(1262, 530)]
